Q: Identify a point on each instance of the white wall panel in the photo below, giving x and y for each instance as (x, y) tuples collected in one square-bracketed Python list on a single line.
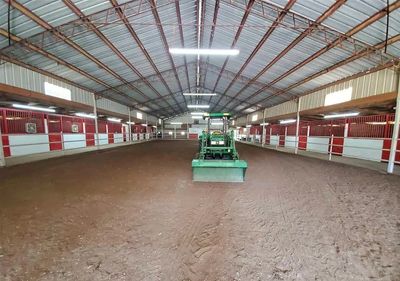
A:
[(274, 140), (28, 144), (118, 138), (290, 141), (103, 139), (370, 149), (318, 144), (72, 141)]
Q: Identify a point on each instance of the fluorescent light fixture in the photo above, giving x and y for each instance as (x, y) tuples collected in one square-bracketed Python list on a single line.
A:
[(176, 123), (217, 123), (264, 124), (199, 94), (38, 108), (197, 117), (198, 106), (341, 115), (154, 126), (130, 123), (182, 133), (207, 52), (197, 113), (238, 127), (169, 133), (112, 119), (144, 125), (287, 121), (248, 126), (85, 115)]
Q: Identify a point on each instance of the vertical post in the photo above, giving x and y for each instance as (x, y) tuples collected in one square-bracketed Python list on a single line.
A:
[(296, 149), (331, 148), (187, 130), (174, 131), (162, 129), (393, 147), (96, 124), (263, 130), (277, 142), (2, 159), (129, 125)]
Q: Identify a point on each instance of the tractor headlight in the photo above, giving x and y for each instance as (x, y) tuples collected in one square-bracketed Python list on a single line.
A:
[(213, 142), (221, 142)]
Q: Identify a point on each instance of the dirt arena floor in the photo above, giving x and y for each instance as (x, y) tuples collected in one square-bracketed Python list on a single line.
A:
[(133, 213)]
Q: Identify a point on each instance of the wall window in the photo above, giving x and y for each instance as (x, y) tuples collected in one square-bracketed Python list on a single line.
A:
[(57, 91), (338, 96), (139, 115), (254, 117)]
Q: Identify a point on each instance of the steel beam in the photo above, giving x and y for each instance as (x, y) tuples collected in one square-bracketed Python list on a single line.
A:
[(66, 40), (35, 48), (164, 39), (299, 38), (132, 32), (361, 54), (329, 46), (236, 38), (106, 41)]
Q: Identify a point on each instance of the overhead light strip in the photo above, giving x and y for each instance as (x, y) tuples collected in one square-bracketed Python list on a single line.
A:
[(350, 114), (198, 106), (37, 108), (204, 52), (199, 94)]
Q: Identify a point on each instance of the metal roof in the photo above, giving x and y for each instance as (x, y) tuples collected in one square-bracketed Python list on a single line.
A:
[(120, 48)]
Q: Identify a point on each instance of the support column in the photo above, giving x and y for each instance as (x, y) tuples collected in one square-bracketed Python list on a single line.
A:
[(175, 132), (129, 125), (395, 134), (96, 124), (2, 158), (187, 130), (162, 129), (296, 149), (263, 130)]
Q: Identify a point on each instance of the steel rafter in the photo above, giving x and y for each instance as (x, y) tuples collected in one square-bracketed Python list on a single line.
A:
[(299, 38), (359, 55), (127, 24), (46, 54), (236, 38), (277, 21), (106, 41), (164, 39), (339, 41), (178, 15), (68, 41)]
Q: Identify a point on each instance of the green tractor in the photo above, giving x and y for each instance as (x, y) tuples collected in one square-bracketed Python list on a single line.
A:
[(218, 159)]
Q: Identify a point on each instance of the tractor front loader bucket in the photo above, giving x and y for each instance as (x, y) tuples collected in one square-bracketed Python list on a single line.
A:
[(219, 170)]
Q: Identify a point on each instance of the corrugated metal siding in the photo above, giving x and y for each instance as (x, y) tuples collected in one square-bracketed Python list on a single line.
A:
[(365, 86), (112, 106), (21, 77), (241, 121), (281, 109)]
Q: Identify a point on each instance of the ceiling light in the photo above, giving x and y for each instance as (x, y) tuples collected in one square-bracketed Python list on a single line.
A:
[(287, 121), (248, 126), (130, 123), (144, 125), (264, 124), (197, 117), (197, 113), (198, 106), (341, 115), (112, 119), (211, 52), (199, 94), (46, 109), (217, 123), (85, 115), (176, 123)]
